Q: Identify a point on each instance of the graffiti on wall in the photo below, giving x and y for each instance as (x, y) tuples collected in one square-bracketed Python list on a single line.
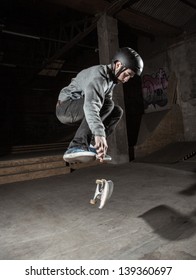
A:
[(154, 88)]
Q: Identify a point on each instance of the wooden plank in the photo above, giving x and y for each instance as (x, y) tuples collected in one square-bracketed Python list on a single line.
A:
[(39, 147), (33, 175), (31, 167), (171, 90), (33, 160)]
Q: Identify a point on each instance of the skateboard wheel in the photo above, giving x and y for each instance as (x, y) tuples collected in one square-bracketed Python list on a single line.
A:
[(98, 181), (93, 201)]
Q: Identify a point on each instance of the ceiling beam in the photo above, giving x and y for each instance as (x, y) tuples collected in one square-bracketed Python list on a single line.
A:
[(128, 16), (73, 42), (111, 9), (146, 24), (132, 19)]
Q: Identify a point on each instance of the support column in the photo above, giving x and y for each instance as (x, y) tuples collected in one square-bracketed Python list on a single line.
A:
[(108, 44)]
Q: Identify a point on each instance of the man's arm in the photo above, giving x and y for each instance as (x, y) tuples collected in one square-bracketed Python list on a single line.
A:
[(94, 99)]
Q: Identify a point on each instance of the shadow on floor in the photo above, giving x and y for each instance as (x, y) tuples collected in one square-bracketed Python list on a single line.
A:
[(169, 224), (189, 191)]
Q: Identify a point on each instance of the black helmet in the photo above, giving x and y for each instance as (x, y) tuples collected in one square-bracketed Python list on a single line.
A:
[(129, 59)]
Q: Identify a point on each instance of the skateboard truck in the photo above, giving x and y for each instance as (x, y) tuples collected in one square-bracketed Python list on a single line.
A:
[(103, 192)]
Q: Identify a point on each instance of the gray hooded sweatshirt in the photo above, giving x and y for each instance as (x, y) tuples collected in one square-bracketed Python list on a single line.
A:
[(94, 84)]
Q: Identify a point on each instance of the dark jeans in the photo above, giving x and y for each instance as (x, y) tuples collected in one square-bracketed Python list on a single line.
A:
[(71, 111)]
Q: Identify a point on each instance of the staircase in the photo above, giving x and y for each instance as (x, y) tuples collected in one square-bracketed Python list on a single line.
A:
[(33, 162), (37, 161)]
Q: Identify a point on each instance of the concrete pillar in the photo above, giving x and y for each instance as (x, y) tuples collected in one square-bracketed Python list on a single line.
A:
[(182, 58), (108, 44)]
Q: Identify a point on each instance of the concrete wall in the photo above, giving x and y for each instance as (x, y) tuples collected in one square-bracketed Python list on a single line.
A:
[(183, 62), (155, 75), (168, 80)]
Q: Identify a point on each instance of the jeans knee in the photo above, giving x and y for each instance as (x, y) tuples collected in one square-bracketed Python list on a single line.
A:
[(70, 112), (118, 111), (108, 107)]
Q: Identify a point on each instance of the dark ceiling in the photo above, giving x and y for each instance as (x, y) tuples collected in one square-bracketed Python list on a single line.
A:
[(44, 43), (49, 37)]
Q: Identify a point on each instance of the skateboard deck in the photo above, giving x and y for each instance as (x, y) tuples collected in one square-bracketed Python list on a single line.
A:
[(84, 158), (103, 192), (81, 159)]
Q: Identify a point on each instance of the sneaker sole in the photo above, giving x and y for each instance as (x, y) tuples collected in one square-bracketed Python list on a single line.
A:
[(79, 157)]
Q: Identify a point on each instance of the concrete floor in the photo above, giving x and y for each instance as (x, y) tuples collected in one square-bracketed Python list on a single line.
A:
[(151, 214)]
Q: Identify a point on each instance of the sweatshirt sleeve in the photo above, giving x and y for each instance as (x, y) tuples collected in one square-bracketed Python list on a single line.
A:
[(93, 101)]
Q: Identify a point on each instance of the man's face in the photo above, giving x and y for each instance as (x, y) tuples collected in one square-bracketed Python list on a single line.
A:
[(125, 75)]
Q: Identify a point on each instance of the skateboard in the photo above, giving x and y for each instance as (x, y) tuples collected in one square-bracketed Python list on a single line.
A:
[(103, 192), (85, 158)]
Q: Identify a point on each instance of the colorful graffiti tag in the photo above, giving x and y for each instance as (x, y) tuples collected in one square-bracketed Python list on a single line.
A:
[(154, 88)]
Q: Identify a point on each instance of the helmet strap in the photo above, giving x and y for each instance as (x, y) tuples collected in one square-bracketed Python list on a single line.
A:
[(122, 69), (117, 74)]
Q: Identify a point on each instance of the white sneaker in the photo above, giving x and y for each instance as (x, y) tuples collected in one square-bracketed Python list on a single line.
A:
[(76, 153)]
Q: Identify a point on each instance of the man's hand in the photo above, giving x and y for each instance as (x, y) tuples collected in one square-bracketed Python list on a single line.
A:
[(101, 147)]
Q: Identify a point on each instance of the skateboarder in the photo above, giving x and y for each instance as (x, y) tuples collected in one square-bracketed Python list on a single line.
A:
[(87, 100)]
